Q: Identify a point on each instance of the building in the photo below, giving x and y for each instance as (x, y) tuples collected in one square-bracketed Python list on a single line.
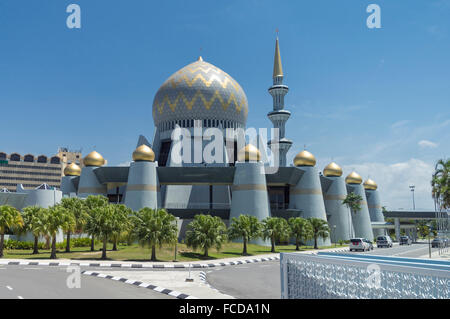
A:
[(191, 104), (31, 171)]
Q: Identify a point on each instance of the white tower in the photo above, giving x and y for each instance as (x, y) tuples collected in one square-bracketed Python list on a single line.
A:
[(279, 115)]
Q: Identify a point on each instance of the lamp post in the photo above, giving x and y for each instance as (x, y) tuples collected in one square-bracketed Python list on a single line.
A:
[(412, 187)]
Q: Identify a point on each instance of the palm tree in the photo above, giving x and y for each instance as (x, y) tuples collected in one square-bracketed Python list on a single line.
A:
[(121, 229), (320, 229), (275, 229), (9, 218), (34, 221), (353, 201), (91, 203), (107, 221), (206, 231), (57, 218), (301, 229), (440, 191), (76, 207), (154, 227), (246, 227)]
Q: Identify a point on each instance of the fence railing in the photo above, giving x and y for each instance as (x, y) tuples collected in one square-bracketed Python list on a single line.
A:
[(327, 276)]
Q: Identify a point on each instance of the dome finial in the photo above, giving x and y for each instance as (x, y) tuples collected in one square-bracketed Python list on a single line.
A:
[(353, 178), (304, 158), (249, 153), (200, 58), (332, 170), (94, 159), (143, 154)]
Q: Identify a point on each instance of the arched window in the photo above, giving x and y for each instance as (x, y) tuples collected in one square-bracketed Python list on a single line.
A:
[(2, 156), (42, 159), (28, 158), (55, 160), (14, 157)]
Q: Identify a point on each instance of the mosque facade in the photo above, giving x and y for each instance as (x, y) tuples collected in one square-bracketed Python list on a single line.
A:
[(201, 97)]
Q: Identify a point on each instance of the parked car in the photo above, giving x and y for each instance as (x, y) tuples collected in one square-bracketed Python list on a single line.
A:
[(405, 240), (369, 243), (384, 241), (359, 244), (438, 242)]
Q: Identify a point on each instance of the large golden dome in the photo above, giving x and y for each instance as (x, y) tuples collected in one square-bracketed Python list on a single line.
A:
[(143, 153), (94, 159), (72, 170), (332, 170), (249, 153), (370, 184), (304, 158), (353, 178), (200, 91)]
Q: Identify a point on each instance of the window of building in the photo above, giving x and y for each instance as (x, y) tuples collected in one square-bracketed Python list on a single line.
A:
[(28, 158), (2, 156), (42, 159), (14, 157), (164, 153), (55, 160)]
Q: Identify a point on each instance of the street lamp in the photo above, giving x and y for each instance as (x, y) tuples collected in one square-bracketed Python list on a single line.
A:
[(412, 187)]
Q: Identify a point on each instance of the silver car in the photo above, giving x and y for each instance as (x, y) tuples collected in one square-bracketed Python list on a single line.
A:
[(384, 241)]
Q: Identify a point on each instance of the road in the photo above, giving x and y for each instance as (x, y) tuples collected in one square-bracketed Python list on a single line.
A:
[(33, 282), (253, 281), (262, 280)]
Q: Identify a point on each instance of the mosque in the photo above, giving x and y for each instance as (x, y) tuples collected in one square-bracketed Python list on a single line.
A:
[(201, 96)]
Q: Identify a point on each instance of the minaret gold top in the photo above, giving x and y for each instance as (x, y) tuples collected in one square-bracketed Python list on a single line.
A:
[(277, 68)]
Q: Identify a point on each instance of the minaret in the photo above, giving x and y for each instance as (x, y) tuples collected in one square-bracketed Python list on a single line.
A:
[(279, 115)]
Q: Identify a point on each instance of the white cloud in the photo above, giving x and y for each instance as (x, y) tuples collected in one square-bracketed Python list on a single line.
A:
[(125, 164), (394, 180), (425, 143)]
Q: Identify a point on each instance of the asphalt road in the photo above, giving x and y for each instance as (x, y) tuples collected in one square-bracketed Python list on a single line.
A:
[(34, 282), (262, 280)]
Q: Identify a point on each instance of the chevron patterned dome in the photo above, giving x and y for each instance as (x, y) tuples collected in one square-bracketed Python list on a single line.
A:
[(200, 91)]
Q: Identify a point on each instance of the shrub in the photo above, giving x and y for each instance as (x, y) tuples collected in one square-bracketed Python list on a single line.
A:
[(15, 244)]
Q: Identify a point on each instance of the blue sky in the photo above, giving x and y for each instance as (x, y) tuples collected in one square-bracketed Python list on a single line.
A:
[(374, 100)]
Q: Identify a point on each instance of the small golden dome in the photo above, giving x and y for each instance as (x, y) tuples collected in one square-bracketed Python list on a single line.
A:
[(72, 170), (304, 158), (370, 184), (353, 178), (249, 153), (94, 159), (332, 170), (144, 153)]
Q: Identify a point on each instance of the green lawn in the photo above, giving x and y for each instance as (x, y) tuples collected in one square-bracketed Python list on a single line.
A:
[(166, 253)]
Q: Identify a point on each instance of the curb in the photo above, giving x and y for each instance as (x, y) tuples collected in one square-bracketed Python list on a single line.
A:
[(141, 284), (135, 265), (340, 250)]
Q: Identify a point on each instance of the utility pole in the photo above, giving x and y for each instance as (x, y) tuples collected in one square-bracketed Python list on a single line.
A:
[(412, 187)]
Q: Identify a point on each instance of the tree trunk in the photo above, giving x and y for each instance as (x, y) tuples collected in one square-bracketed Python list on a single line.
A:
[(104, 248), (115, 244), (297, 244), (35, 247), (272, 241), (53, 253), (2, 241), (92, 243), (68, 242), (315, 243), (153, 258), (47, 242), (245, 246), (206, 252)]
